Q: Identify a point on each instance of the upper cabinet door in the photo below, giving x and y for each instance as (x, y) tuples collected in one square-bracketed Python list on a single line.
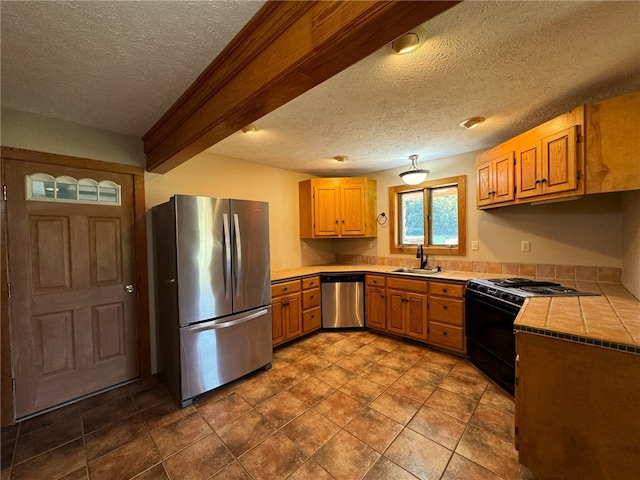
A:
[(528, 171), (503, 190), (559, 164), (326, 208), (353, 208)]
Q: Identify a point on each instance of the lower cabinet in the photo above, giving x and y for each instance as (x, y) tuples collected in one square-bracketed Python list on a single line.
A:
[(432, 312), (407, 307), (295, 309), (446, 315), (286, 303), (376, 302), (311, 314)]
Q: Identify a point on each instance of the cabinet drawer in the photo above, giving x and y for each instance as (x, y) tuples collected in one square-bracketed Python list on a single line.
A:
[(285, 287), (446, 335), (311, 282), (376, 281), (310, 298), (446, 310), (311, 320), (448, 289), (404, 284)]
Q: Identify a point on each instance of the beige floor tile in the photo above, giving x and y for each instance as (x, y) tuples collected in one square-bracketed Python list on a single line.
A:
[(346, 457), (460, 468), (54, 463), (233, 471), (496, 398), (380, 374), (412, 387), (245, 432), (452, 404), (396, 406), (310, 431), (258, 390), (374, 429), (335, 376), (385, 469), (311, 390), (224, 410), (418, 455), (176, 435), (310, 470), (157, 472), (107, 439), (494, 421), (339, 408), (200, 460), (438, 426), (275, 457), (469, 387), (363, 390), (491, 452), (125, 462), (282, 408)]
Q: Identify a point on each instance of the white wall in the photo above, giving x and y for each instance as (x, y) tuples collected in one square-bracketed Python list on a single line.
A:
[(44, 134), (631, 242), (585, 232)]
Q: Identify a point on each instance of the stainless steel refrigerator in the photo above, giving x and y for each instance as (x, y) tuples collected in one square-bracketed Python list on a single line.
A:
[(213, 292)]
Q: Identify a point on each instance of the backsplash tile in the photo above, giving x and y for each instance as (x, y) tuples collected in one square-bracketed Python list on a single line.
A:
[(546, 271)]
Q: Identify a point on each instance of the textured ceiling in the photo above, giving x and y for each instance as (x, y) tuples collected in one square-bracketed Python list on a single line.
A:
[(121, 65), (116, 65)]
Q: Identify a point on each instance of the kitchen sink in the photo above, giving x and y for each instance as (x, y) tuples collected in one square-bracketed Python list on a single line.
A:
[(420, 271)]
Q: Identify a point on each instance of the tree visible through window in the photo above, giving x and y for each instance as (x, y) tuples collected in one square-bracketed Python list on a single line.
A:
[(431, 214)]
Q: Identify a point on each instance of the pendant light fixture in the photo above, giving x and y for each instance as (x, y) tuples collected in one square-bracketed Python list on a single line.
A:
[(414, 175)]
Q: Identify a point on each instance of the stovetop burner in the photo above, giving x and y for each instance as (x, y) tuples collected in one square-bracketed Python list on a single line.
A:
[(516, 289)]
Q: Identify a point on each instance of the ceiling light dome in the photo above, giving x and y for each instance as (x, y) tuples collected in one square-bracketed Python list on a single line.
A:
[(470, 123), (414, 175)]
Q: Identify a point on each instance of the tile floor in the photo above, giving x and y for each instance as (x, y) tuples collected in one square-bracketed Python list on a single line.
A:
[(343, 405)]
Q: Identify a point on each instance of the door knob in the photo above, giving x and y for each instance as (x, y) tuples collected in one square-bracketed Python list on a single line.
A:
[(129, 288)]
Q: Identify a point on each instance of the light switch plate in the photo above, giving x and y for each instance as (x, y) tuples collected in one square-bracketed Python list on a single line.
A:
[(525, 246), (475, 245)]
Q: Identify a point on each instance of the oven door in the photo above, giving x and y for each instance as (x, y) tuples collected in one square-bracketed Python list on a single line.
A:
[(491, 342)]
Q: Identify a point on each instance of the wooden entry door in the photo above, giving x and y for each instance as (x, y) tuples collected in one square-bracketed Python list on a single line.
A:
[(73, 304)]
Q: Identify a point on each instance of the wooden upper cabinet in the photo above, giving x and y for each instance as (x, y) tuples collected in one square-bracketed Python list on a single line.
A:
[(612, 140), (337, 207), (543, 163), (549, 165), (495, 179)]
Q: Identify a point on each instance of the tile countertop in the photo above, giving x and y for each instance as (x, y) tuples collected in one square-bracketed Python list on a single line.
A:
[(611, 320)]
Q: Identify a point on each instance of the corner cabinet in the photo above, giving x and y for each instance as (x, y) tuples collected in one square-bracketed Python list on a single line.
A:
[(338, 208), (423, 310)]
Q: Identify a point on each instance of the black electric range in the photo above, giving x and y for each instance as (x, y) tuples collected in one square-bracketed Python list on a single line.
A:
[(491, 307)]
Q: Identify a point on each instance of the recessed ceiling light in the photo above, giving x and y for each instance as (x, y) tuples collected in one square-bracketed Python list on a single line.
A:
[(406, 43), (471, 122), (341, 158), (250, 129)]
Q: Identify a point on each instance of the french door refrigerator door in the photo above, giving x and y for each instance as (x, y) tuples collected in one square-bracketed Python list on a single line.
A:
[(203, 248), (217, 352), (250, 252)]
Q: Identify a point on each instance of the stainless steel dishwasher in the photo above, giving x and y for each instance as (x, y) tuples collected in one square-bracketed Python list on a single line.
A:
[(342, 300)]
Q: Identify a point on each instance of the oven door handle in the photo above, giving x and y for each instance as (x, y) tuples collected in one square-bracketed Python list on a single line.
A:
[(500, 304)]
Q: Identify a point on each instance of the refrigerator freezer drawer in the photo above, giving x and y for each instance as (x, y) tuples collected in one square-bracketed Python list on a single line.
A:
[(217, 352)]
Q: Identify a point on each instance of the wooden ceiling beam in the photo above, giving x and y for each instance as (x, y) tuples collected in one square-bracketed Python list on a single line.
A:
[(285, 50)]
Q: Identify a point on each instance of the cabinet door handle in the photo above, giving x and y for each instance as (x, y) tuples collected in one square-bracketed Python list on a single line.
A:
[(543, 180)]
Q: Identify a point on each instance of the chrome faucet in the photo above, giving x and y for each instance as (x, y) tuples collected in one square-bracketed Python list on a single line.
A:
[(423, 258)]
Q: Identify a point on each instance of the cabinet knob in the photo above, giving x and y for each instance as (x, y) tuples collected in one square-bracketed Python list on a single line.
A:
[(444, 290), (444, 307), (312, 296), (285, 289), (444, 333)]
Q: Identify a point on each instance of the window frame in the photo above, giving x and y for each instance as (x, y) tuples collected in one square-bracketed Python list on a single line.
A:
[(394, 216)]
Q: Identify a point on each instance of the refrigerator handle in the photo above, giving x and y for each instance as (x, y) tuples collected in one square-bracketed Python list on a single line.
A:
[(227, 255), (226, 323), (236, 223)]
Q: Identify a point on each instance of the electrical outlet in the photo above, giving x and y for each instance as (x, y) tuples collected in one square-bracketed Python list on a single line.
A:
[(475, 245), (525, 246), (304, 245), (370, 244)]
